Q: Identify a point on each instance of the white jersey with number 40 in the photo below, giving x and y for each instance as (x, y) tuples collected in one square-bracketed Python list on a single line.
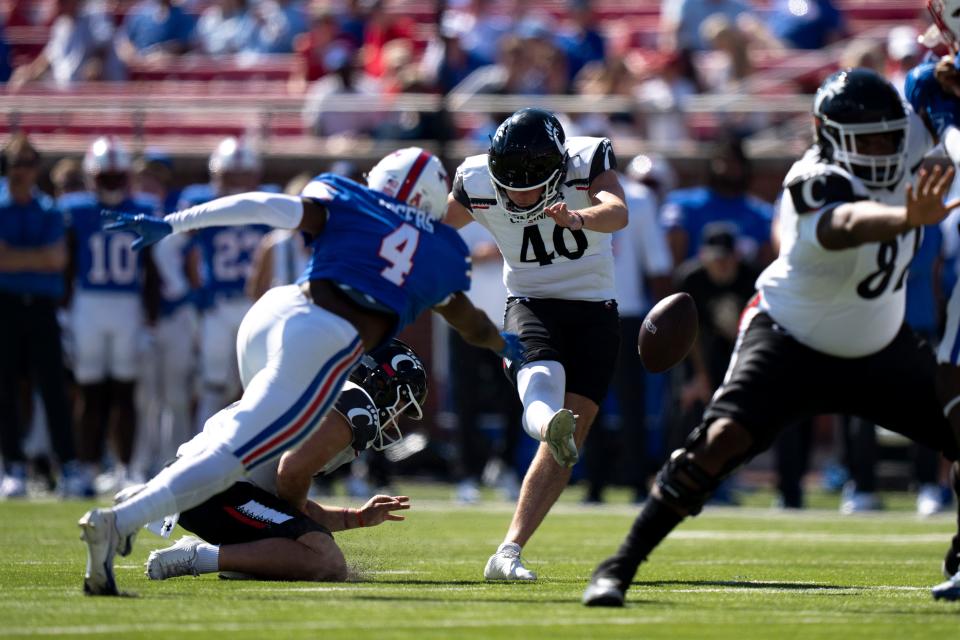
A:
[(847, 303), (541, 259)]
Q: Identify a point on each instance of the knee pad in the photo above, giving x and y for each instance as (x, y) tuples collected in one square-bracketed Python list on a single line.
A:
[(684, 485)]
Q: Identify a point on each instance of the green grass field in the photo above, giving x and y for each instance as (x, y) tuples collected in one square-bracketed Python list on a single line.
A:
[(730, 573)]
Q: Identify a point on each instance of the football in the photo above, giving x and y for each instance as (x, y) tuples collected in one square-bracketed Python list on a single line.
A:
[(668, 332)]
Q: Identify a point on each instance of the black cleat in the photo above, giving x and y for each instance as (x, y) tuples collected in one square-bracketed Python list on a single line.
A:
[(603, 591)]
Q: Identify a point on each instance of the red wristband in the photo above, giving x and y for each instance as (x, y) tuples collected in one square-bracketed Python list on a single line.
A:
[(360, 518)]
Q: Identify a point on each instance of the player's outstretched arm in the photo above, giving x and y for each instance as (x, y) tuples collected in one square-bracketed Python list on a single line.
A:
[(855, 223), (273, 209), (377, 510), (475, 327)]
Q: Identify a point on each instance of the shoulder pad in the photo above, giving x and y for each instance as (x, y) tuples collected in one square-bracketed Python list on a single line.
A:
[(588, 158), (319, 189), (473, 183), (814, 191)]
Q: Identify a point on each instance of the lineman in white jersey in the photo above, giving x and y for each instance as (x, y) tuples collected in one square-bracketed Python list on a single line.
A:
[(552, 205), (826, 332)]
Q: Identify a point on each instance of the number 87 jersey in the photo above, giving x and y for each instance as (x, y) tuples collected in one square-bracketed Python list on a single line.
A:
[(851, 302), (384, 253)]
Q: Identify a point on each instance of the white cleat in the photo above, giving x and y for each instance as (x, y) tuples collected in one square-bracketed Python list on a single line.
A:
[(603, 592), (949, 590), (559, 437), (98, 528), (180, 559), (506, 564)]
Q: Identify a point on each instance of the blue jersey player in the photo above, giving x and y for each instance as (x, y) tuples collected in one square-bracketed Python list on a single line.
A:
[(221, 264), (381, 257), (107, 305)]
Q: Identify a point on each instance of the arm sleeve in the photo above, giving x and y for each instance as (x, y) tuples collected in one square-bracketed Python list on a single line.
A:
[(273, 209)]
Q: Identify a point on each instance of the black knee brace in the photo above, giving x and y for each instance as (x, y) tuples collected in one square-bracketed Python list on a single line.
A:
[(683, 484)]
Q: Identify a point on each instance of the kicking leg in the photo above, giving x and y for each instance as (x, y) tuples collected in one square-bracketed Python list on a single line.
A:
[(542, 485), (541, 386)]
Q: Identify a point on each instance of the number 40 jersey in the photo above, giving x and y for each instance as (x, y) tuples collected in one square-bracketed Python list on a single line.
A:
[(541, 259), (847, 303)]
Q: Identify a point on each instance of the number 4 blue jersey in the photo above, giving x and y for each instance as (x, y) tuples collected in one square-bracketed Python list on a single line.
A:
[(105, 260), (390, 253)]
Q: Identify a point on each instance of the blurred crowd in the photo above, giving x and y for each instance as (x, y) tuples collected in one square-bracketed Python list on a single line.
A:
[(373, 49)]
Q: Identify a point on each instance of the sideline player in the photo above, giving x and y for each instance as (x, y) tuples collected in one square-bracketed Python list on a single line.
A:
[(826, 331), (107, 308), (381, 256), (248, 529), (552, 205)]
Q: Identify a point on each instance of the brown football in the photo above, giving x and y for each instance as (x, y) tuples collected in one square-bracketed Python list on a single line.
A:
[(668, 332)]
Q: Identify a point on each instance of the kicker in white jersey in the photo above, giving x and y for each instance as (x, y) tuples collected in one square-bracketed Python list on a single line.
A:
[(542, 259)]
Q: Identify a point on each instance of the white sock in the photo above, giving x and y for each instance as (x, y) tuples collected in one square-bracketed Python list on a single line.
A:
[(153, 502), (181, 486), (510, 546), (541, 386), (208, 558)]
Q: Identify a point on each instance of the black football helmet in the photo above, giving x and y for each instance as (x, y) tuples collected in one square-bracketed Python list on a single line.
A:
[(856, 105), (396, 380), (527, 152)]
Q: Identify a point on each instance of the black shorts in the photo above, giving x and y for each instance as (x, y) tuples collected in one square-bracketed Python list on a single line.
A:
[(582, 336), (773, 381), (246, 513)]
